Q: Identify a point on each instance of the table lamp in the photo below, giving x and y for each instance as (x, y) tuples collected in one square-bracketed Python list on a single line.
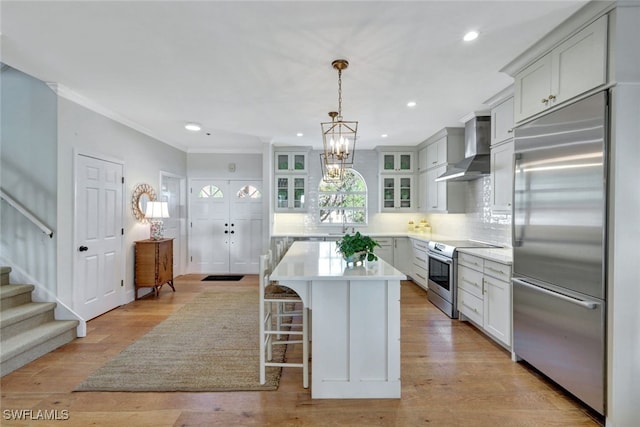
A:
[(154, 213)]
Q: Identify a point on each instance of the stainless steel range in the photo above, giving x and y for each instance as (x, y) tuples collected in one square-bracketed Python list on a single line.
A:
[(443, 270)]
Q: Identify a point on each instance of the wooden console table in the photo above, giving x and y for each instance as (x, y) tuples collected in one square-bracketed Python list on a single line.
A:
[(154, 264)]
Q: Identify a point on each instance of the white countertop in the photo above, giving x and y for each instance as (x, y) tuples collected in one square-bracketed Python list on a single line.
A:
[(420, 236), (319, 260), (502, 255)]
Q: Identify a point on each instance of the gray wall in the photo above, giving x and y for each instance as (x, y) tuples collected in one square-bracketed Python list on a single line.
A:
[(29, 174), (216, 165), (85, 132)]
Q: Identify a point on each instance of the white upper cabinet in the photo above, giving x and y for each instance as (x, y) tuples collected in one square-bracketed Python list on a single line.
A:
[(290, 161), (443, 196), (422, 160), (445, 150), (576, 66), (290, 173), (400, 162), (397, 193), (502, 177), (502, 121)]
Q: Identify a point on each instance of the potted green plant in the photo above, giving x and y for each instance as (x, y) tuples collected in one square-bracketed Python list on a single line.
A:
[(357, 248)]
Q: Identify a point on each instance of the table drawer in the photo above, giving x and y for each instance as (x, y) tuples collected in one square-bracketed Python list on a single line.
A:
[(497, 270), (471, 261), (471, 306), (470, 280)]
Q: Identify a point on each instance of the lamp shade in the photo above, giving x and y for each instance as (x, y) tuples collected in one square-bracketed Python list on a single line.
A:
[(157, 210)]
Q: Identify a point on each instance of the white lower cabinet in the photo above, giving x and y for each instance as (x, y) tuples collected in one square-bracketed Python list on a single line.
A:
[(484, 295), (419, 267), (402, 254), (385, 251)]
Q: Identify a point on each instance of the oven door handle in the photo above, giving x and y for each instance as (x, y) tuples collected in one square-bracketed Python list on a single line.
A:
[(440, 258)]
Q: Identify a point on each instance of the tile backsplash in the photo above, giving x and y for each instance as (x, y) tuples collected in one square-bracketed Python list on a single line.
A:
[(478, 223)]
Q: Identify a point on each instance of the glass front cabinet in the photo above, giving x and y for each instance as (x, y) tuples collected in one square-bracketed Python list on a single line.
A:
[(290, 171), (294, 162), (396, 162), (397, 193), (290, 192)]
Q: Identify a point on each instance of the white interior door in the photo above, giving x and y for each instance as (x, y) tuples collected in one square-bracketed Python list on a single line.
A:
[(98, 254), (226, 226), (173, 226)]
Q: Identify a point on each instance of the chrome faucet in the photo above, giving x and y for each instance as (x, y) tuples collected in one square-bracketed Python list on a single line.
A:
[(344, 223)]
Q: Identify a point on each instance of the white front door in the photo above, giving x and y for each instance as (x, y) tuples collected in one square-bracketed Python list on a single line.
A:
[(98, 252), (209, 242), (226, 226), (246, 226)]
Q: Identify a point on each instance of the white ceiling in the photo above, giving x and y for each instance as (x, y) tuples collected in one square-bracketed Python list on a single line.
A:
[(255, 72)]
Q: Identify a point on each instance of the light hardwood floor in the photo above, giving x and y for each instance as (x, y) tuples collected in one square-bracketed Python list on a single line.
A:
[(452, 375)]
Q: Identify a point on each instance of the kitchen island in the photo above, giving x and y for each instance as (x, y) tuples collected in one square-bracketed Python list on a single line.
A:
[(355, 325)]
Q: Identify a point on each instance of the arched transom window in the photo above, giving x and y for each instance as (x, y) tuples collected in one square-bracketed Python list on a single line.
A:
[(210, 191), (343, 202), (249, 191)]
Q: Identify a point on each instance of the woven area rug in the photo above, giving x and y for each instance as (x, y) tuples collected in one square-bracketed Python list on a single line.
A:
[(210, 344)]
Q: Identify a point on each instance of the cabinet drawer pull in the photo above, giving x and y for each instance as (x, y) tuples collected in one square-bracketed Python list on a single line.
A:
[(545, 100), (470, 308), (471, 283), (496, 270), (552, 97)]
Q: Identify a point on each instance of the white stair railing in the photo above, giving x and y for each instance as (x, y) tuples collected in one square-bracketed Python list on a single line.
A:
[(31, 217)]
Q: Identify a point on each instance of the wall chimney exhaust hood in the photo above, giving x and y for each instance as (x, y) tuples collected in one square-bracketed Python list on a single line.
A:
[(477, 161)]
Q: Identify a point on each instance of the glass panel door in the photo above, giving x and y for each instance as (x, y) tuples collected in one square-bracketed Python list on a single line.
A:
[(405, 162), (298, 192), (282, 162), (298, 162), (283, 192), (405, 192), (389, 190)]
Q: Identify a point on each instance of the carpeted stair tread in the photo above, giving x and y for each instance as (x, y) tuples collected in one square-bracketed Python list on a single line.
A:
[(7, 291), (13, 315), (33, 337)]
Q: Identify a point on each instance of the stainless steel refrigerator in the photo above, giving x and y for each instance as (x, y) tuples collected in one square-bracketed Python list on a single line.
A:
[(559, 243)]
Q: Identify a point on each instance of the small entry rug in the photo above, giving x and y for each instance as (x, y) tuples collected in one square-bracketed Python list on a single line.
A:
[(232, 278), (210, 344)]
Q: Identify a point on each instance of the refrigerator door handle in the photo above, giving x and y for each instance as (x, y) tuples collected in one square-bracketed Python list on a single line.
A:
[(586, 304)]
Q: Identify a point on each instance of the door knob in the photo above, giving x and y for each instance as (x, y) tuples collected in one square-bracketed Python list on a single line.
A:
[(226, 225), (232, 232), (83, 248), (226, 231), (232, 225)]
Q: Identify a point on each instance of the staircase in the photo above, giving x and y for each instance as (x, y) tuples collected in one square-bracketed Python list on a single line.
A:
[(28, 329)]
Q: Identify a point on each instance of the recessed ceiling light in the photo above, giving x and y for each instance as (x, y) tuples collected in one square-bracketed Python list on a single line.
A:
[(411, 104), (384, 135), (299, 134), (471, 35), (193, 127)]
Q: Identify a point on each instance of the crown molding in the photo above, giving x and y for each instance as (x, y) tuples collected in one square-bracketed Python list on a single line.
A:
[(70, 95), (225, 151)]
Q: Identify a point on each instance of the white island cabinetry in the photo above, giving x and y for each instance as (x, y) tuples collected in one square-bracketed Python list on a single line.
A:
[(355, 325)]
